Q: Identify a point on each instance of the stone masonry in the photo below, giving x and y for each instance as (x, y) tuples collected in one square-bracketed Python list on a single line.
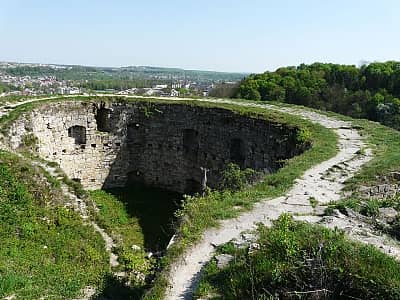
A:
[(112, 144)]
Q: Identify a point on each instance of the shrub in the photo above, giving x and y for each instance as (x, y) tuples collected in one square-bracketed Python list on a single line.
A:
[(234, 179), (30, 142), (303, 136), (296, 260)]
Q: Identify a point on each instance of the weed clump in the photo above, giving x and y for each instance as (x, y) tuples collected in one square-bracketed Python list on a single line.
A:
[(234, 179)]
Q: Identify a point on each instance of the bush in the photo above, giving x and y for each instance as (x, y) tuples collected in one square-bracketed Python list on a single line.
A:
[(303, 136), (296, 260), (234, 179), (30, 142)]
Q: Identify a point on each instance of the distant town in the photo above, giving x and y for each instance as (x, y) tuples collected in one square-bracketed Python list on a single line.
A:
[(22, 79)]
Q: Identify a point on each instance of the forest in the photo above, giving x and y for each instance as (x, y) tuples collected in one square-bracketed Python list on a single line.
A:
[(371, 91)]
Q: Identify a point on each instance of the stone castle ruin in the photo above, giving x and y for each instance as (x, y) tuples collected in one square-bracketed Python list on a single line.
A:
[(112, 144)]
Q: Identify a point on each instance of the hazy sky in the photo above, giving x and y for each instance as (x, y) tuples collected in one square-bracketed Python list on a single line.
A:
[(223, 35)]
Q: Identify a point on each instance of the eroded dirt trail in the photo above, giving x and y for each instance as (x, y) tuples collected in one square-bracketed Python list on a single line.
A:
[(324, 182)]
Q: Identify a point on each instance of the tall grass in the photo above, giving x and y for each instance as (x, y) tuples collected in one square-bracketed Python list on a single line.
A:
[(296, 260), (42, 252)]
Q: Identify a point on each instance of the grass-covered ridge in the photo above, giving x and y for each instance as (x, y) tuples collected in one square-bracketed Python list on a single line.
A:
[(46, 250), (296, 260)]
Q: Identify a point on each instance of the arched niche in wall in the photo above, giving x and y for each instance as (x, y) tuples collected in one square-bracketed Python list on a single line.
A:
[(190, 143), (102, 117), (237, 151), (78, 133)]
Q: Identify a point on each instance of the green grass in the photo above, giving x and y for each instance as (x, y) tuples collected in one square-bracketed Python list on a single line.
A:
[(385, 143), (114, 218), (126, 232), (136, 217), (299, 257), (15, 99), (313, 202), (42, 253)]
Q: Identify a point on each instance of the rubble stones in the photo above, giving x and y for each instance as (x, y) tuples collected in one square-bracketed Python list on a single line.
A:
[(381, 191)]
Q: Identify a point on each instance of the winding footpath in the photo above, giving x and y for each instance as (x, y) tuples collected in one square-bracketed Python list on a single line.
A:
[(324, 182)]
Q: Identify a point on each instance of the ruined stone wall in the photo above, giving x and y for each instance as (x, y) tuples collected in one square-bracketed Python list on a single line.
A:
[(166, 145)]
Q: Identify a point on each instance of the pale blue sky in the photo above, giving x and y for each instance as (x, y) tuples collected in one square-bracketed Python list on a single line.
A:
[(223, 35)]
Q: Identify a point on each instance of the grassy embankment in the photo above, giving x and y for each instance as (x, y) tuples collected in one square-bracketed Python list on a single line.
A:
[(385, 143), (42, 253)]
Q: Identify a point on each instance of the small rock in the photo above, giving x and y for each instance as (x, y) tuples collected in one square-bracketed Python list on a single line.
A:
[(336, 212), (364, 189), (326, 220), (136, 248), (240, 244), (387, 214), (319, 210), (223, 260), (254, 247), (395, 175), (350, 213), (249, 237)]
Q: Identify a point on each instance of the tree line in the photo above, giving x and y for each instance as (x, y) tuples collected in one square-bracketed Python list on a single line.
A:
[(371, 91), (118, 84)]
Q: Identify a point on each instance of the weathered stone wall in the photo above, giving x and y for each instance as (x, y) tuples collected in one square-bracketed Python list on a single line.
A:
[(166, 145)]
